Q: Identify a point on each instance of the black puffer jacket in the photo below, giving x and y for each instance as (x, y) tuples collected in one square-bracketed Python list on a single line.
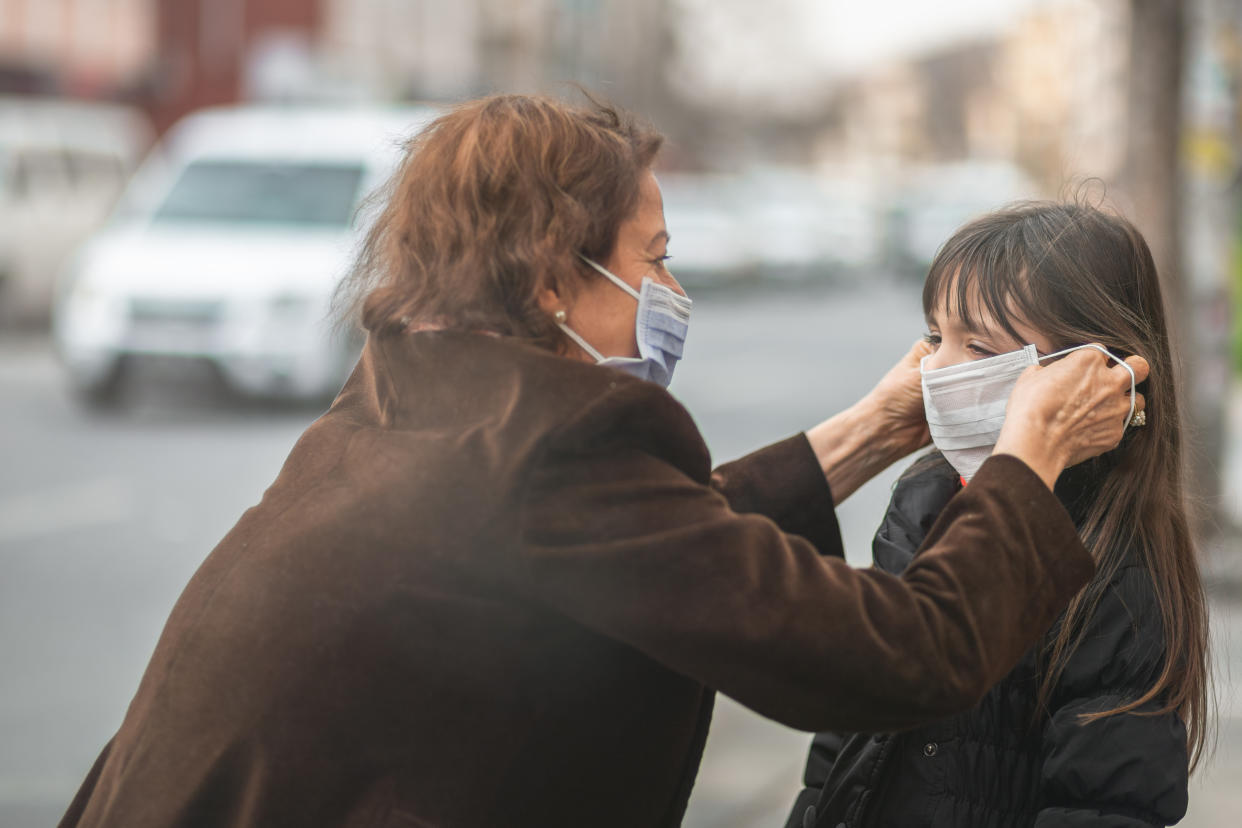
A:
[(1001, 764)]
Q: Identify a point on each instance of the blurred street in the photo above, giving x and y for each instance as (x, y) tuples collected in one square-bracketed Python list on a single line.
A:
[(103, 517)]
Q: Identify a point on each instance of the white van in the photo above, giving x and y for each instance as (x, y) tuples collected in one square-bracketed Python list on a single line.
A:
[(228, 248), (63, 165)]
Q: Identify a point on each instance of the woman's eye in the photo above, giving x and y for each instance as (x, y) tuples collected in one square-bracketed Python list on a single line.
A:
[(659, 261)]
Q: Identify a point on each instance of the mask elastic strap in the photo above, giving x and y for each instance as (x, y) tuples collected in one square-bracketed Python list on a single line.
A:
[(1120, 362), (608, 275), (582, 343)]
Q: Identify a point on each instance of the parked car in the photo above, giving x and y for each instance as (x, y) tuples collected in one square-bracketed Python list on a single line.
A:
[(709, 240), (63, 164), (935, 201), (767, 224), (228, 248), (803, 226)]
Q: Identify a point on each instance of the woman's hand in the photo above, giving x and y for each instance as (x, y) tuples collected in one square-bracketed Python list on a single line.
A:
[(897, 403), (1070, 411), (877, 431)]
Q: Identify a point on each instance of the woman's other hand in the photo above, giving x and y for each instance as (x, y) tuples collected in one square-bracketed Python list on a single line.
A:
[(875, 432), (1070, 411), (897, 403)]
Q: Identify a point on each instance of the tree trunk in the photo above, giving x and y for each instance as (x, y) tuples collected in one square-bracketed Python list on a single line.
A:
[(1152, 169), (1154, 181)]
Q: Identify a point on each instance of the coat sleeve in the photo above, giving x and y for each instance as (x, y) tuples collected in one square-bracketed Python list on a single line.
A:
[(1123, 771), (623, 540), (784, 483)]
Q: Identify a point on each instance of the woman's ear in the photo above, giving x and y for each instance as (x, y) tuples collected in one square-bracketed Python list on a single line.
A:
[(550, 301)]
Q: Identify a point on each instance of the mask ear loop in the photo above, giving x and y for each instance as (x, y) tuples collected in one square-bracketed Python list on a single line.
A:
[(582, 343), (1120, 362), (572, 334), (607, 274)]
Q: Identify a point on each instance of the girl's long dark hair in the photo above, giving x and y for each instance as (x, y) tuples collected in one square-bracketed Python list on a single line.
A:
[(1078, 274)]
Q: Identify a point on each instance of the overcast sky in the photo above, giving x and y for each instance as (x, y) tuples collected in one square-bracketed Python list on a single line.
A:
[(779, 51), (858, 31)]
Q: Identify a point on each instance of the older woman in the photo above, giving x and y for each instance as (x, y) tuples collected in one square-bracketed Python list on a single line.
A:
[(498, 582)]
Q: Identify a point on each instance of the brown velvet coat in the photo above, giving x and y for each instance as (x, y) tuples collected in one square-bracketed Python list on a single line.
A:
[(496, 587)]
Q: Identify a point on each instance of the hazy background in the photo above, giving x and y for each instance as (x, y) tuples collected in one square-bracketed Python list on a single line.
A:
[(818, 153)]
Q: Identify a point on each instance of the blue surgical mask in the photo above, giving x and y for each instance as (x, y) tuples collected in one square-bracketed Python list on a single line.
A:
[(660, 327)]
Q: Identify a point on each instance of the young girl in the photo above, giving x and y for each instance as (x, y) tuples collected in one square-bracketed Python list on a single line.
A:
[(1101, 724)]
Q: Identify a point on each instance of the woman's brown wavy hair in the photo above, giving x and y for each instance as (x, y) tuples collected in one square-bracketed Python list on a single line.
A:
[(1078, 274), (491, 205)]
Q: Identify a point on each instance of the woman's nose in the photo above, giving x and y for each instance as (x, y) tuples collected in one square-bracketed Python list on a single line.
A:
[(671, 281)]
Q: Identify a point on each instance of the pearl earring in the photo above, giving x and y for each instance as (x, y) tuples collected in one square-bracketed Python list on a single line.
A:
[(559, 316)]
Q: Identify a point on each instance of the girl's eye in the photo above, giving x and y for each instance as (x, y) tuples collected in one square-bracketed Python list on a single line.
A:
[(932, 339), (979, 350)]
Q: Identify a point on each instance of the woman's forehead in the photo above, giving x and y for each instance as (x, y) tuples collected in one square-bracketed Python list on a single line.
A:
[(645, 226)]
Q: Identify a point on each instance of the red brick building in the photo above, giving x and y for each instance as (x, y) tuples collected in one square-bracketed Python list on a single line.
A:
[(205, 49)]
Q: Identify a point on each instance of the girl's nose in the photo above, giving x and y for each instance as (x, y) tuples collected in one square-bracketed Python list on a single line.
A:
[(943, 358)]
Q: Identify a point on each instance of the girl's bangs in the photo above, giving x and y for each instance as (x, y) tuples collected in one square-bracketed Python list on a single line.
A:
[(976, 272)]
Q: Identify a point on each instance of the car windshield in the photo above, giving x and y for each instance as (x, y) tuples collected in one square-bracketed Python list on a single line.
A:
[(263, 192)]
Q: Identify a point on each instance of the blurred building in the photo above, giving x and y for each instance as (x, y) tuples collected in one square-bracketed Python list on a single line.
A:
[(429, 49), (918, 111), (174, 56), (222, 51), (170, 56), (87, 48), (1064, 69), (215, 51), (1049, 94)]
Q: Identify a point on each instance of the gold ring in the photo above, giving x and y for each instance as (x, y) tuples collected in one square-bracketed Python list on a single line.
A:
[(1139, 419)]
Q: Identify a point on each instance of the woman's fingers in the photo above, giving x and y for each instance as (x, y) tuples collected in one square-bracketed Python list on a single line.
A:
[(1070, 411), (898, 398), (1140, 366), (918, 350), (900, 391), (1106, 420)]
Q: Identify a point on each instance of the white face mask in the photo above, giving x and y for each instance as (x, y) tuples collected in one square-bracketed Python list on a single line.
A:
[(965, 403), (660, 328)]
